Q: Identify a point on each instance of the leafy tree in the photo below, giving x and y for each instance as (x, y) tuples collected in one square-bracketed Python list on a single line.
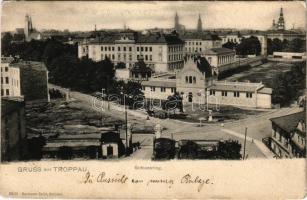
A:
[(297, 45), (6, 43), (229, 150), (249, 46), (173, 102), (230, 45)]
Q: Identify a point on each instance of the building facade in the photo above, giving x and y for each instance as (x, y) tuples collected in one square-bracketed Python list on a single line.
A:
[(10, 78), (197, 43), (288, 139), (33, 80), (13, 131), (218, 57), (241, 94), (161, 52)]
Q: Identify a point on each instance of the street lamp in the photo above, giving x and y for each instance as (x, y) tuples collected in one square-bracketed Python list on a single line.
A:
[(126, 119)]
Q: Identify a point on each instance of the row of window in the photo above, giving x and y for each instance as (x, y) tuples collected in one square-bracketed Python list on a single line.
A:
[(146, 57), (6, 80), (190, 79), (144, 49), (194, 49), (225, 59), (7, 92), (175, 48), (235, 94), (162, 89), (178, 65), (175, 57), (6, 69), (192, 43)]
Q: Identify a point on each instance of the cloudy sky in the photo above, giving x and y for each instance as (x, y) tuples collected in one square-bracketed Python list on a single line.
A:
[(141, 15)]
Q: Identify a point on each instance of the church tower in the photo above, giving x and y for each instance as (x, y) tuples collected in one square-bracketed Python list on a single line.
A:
[(199, 25), (281, 21), (177, 26), (28, 26)]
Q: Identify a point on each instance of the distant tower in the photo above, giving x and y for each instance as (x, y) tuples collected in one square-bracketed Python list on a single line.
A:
[(273, 25), (177, 25), (281, 21), (28, 25), (199, 25)]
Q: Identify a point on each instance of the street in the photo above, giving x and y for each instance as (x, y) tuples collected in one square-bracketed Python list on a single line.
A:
[(258, 127)]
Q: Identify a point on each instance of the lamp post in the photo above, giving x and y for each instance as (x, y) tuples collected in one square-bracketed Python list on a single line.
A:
[(126, 120)]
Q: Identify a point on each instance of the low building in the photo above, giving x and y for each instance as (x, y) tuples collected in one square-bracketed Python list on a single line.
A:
[(288, 138), (290, 57), (13, 132), (195, 84), (33, 80), (241, 94), (218, 57), (95, 145)]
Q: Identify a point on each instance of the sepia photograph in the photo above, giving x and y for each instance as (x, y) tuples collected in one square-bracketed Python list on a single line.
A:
[(152, 81)]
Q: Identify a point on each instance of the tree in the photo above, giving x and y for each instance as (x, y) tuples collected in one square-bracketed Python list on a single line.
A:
[(6, 44), (173, 102), (249, 46), (297, 45), (230, 45), (229, 150)]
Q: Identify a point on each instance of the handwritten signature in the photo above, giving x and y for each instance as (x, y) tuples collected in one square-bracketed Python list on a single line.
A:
[(124, 179)]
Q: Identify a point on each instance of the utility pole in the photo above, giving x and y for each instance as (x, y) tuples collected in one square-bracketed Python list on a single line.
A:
[(244, 142)]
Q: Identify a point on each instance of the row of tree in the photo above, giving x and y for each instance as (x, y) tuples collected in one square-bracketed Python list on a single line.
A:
[(252, 45), (66, 69), (289, 85)]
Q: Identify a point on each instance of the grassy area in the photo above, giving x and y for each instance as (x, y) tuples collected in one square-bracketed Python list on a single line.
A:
[(224, 113), (264, 73), (59, 117)]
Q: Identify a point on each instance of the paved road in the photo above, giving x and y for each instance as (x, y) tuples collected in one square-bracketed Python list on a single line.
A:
[(258, 127)]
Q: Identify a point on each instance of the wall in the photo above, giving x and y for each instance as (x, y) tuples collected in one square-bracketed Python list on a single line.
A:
[(115, 149), (157, 94), (230, 99), (34, 84), (264, 101), (13, 131)]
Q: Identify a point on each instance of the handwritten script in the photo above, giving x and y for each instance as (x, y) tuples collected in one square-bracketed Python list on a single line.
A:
[(186, 179)]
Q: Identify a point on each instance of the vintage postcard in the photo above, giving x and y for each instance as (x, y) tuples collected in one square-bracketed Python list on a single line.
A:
[(153, 99)]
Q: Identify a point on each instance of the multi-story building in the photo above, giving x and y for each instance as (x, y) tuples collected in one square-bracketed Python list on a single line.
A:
[(288, 137), (25, 78), (218, 57), (13, 133), (10, 78), (196, 43), (161, 52)]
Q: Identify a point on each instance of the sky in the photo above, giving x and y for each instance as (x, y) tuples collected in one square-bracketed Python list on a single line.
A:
[(82, 16)]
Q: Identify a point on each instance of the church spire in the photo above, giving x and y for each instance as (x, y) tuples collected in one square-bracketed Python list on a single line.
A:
[(199, 24), (281, 20), (177, 26)]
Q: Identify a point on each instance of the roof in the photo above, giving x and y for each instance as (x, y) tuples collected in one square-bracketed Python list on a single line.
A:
[(140, 66), (79, 143), (235, 86), (160, 83), (200, 36), (39, 66), (110, 137), (289, 122), (218, 51), (293, 32), (137, 37), (265, 90)]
